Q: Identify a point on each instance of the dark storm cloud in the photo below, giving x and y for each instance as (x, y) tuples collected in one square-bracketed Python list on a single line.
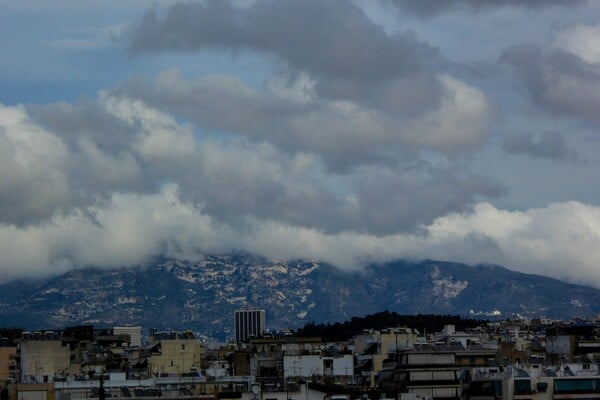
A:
[(362, 142), (558, 81), (549, 145), (355, 108), (350, 92), (33, 177), (84, 119), (100, 158), (348, 55), (380, 201), (391, 199), (123, 145), (427, 8), (331, 38), (344, 136), (290, 116), (363, 103)]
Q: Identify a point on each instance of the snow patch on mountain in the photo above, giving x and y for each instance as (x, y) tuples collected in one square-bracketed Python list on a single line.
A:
[(446, 286), (577, 303), (307, 271)]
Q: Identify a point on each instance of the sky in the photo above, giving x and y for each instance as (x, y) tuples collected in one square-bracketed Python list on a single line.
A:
[(347, 132)]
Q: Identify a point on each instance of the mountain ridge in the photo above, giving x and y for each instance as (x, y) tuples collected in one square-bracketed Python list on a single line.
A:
[(202, 295)]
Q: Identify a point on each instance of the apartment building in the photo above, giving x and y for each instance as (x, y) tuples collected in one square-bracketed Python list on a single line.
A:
[(174, 353)]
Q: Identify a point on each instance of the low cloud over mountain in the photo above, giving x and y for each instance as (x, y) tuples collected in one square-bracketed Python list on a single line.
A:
[(334, 130)]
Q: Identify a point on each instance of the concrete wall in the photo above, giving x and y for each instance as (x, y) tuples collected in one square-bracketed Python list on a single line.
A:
[(390, 342), (37, 391), (42, 359), (5, 361), (306, 366), (134, 332), (302, 394), (560, 345), (177, 356)]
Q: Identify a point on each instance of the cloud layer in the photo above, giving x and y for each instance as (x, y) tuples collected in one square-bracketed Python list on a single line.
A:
[(549, 145), (367, 89), (120, 144), (342, 131), (221, 196), (129, 229), (428, 8)]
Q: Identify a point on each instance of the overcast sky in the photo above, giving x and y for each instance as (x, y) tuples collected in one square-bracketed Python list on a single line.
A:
[(342, 131)]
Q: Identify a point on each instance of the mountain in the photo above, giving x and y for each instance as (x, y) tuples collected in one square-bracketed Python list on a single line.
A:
[(202, 295)]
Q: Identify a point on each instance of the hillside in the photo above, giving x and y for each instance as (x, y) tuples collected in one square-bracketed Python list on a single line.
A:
[(202, 295)]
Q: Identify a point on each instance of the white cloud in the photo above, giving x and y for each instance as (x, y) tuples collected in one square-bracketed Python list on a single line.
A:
[(325, 135), (33, 181), (560, 82), (289, 114), (160, 135), (581, 40), (461, 121), (108, 168), (560, 241), (231, 195), (125, 231)]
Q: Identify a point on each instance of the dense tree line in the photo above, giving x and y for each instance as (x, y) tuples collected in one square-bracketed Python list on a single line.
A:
[(10, 335), (340, 331)]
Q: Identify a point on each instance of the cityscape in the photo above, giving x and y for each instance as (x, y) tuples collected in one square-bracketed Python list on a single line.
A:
[(506, 359)]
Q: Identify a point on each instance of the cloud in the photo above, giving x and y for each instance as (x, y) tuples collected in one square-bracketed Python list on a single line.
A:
[(99, 156), (292, 117), (429, 8), (33, 180), (580, 40), (89, 39), (298, 33), (560, 241), (125, 231), (344, 89), (219, 195), (362, 141), (556, 80), (345, 54), (121, 144), (160, 136), (557, 241), (549, 145)]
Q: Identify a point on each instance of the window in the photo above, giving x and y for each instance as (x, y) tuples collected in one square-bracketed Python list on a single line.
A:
[(522, 386), (542, 387), (486, 388), (577, 385)]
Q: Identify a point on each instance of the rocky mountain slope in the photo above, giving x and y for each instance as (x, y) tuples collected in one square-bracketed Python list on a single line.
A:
[(203, 295)]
